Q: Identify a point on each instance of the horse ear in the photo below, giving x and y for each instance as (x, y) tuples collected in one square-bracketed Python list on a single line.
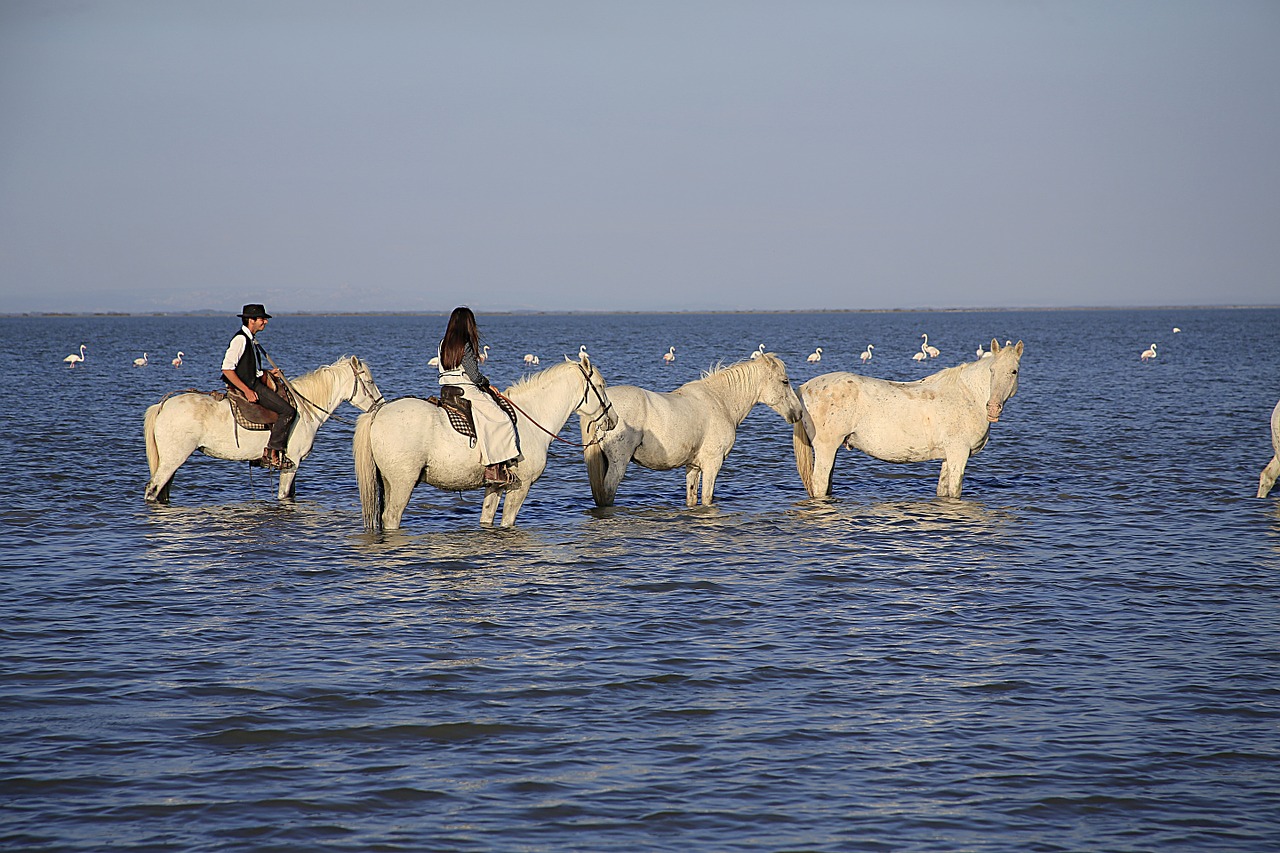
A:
[(995, 345), (1018, 348), (566, 358)]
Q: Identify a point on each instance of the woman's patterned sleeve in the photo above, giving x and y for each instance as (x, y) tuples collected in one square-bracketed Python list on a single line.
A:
[(471, 367)]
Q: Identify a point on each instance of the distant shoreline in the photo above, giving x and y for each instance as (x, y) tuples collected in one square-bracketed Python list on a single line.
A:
[(638, 313)]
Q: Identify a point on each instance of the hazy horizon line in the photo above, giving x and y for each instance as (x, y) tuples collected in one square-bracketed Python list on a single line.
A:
[(208, 312)]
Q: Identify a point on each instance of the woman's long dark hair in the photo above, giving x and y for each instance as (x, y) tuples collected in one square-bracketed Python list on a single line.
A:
[(462, 330)]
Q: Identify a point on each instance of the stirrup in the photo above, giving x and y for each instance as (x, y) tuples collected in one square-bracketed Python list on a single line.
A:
[(276, 459), (503, 476)]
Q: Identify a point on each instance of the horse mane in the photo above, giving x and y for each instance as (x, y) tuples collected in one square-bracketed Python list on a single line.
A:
[(734, 376), (950, 376), (538, 377), (312, 376)]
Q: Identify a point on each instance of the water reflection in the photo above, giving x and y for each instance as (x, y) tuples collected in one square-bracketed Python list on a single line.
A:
[(927, 515), (938, 533)]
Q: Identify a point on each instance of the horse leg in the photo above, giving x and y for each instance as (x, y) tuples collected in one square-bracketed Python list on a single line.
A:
[(709, 474), (692, 475), (160, 482), (288, 484), (158, 494), (396, 492), (951, 478), (489, 509), (511, 506), (824, 463), (1269, 475)]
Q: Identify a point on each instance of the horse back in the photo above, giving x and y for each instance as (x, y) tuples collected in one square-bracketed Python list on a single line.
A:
[(192, 406)]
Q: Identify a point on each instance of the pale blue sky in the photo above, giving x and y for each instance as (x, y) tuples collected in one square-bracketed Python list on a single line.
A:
[(171, 155)]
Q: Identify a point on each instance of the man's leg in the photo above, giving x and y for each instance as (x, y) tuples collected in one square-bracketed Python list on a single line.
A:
[(269, 399)]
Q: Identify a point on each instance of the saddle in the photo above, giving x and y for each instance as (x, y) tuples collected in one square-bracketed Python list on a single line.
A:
[(250, 415), (458, 408)]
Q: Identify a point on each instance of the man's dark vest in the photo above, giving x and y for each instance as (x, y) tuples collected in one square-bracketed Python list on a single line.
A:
[(247, 366)]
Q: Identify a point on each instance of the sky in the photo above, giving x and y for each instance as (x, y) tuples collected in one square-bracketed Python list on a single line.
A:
[(317, 156)]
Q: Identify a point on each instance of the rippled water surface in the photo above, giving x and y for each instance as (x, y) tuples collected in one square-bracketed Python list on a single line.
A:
[(1079, 654)]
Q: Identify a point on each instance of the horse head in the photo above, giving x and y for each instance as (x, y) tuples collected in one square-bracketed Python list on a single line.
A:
[(364, 392), (595, 405), (776, 391), (1004, 376)]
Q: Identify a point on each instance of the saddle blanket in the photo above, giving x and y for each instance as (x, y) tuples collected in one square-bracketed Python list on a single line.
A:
[(251, 415), (460, 419)]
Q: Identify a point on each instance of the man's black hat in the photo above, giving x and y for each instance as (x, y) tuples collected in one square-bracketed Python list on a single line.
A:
[(253, 311)]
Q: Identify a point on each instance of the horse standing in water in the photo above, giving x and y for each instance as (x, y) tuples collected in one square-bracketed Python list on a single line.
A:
[(694, 426), (945, 416), (178, 426), (1269, 473), (410, 440)]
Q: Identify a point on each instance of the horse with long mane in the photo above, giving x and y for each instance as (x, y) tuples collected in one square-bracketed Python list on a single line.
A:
[(180, 424), (693, 426), (1272, 469), (410, 440), (945, 416)]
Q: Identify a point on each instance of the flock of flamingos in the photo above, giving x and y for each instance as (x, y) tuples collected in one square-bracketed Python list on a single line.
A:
[(926, 352), (944, 416)]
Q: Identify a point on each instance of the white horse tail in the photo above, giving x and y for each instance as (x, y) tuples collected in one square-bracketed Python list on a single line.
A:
[(597, 469), (158, 492), (149, 430), (371, 494), (804, 453)]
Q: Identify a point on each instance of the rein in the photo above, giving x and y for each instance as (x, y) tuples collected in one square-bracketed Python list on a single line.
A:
[(355, 384), (590, 387)]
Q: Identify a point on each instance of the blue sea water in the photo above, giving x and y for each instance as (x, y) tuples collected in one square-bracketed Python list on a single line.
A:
[(1079, 654)]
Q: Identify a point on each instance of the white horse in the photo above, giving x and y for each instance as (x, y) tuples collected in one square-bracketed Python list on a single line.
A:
[(946, 416), (409, 440), (1269, 473), (694, 426), (178, 425)]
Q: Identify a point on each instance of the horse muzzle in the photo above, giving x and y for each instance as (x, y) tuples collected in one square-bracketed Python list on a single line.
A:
[(993, 412)]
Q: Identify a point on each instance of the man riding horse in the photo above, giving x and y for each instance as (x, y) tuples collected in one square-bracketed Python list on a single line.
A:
[(243, 372)]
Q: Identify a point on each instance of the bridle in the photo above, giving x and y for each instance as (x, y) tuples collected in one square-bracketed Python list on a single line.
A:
[(605, 408), (358, 383), (605, 405)]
